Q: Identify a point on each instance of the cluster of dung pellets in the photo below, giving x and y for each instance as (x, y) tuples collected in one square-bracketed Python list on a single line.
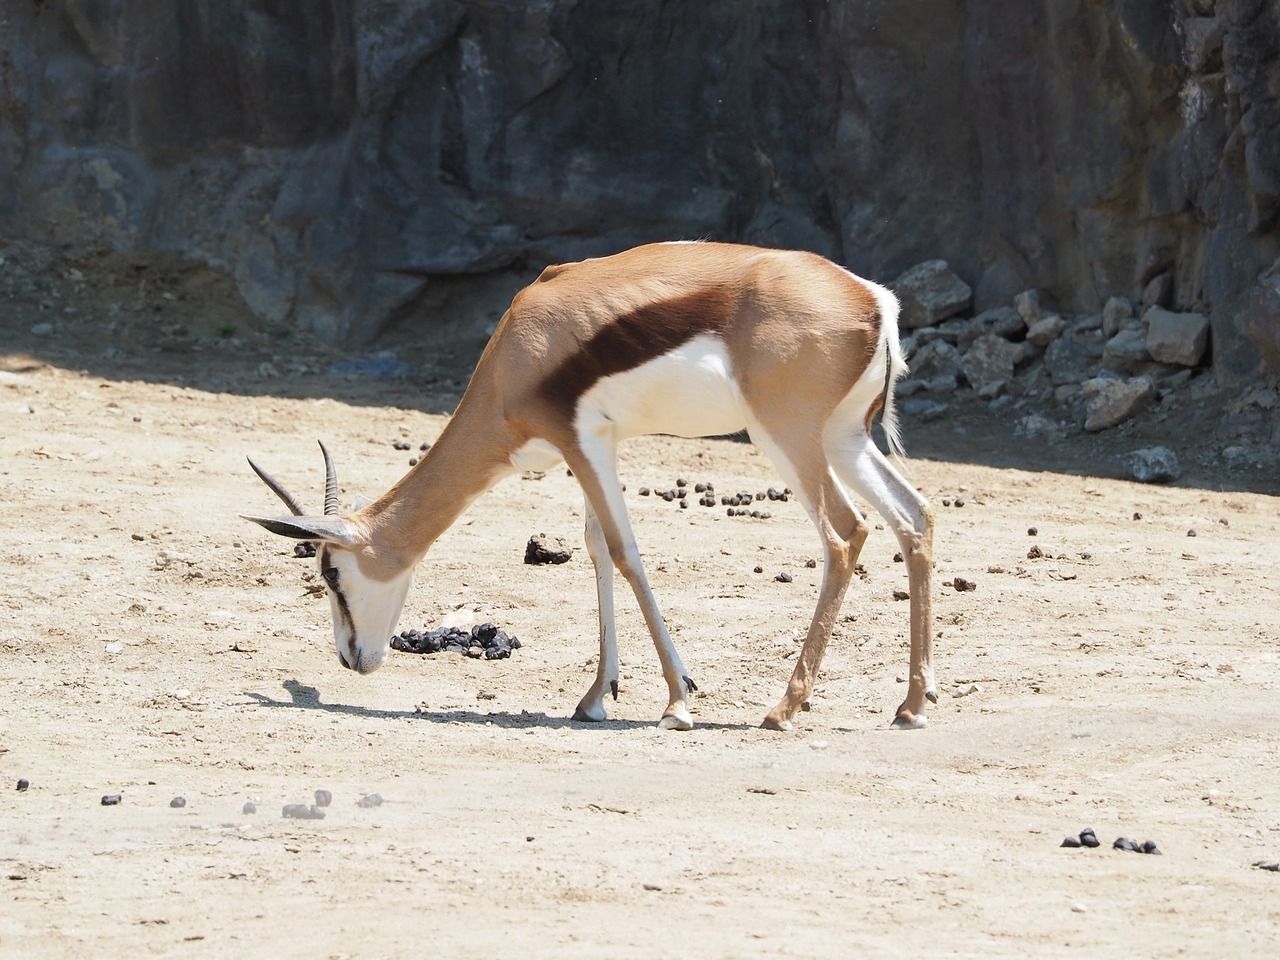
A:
[(482, 641), (1087, 838), (737, 504)]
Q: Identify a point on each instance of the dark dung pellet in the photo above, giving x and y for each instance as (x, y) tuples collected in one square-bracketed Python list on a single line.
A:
[(370, 800), (1149, 846), (178, 802), (1032, 531), (1124, 843), (783, 577), (323, 798), (1071, 842), (249, 807), (1089, 839), (111, 800), (23, 784)]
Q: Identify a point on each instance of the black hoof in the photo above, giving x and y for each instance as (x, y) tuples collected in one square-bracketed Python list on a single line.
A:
[(613, 688), (689, 684)]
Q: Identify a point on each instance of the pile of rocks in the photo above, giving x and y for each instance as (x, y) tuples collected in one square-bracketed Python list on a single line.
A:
[(1103, 368), (483, 640)]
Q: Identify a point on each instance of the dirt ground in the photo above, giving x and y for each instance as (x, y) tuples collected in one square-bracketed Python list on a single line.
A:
[(153, 645)]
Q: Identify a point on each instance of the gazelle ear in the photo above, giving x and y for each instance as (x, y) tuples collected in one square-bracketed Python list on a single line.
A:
[(361, 501), (325, 529)]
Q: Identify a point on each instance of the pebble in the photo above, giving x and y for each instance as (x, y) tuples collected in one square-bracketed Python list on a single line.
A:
[(1088, 838), (1071, 842), (1264, 865), (23, 784), (783, 577), (300, 811), (323, 798), (304, 550), (1032, 531), (249, 807), (901, 595), (543, 549), (178, 802), (1137, 516), (962, 585), (374, 800), (1191, 533), (1035, 553), (111, 800)]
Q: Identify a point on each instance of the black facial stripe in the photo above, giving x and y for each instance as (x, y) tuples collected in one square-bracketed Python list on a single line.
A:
[(343, 610)]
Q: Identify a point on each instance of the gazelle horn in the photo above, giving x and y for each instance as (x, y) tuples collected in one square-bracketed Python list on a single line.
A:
[(330, 483), (289, 499)]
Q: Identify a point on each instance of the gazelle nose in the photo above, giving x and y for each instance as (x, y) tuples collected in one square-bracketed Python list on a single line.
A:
[(343, 660)]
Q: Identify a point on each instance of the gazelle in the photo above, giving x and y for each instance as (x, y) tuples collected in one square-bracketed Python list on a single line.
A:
[(691, 339)]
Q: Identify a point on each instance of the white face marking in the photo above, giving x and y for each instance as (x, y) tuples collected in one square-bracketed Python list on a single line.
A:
[(365, 611), (537, 455), (689, 392)]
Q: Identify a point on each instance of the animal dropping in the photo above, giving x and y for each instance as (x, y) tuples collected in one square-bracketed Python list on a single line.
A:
[(686, 339)]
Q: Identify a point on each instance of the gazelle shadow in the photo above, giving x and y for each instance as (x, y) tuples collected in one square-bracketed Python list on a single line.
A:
[(305, 697)]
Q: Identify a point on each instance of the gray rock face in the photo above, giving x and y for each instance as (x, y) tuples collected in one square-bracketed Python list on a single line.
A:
[(929, 293), (1176, 337), (354, 163)]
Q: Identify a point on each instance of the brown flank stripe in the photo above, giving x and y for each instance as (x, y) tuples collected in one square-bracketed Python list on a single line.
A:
[(633, 339)]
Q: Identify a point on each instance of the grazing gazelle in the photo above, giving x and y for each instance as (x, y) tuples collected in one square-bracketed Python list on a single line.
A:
[(691, 339)]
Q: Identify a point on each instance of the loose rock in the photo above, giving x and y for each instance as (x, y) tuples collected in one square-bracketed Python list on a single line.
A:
[(323, 798), (249, 807), (111, 800), (370, 800), (930, 292), (1109, 402), (1153, 465), (23, 784), (544, 549), (1178, 338), (962, 585)]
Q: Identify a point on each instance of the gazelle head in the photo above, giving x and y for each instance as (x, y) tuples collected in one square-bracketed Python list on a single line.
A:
[(366, 588)]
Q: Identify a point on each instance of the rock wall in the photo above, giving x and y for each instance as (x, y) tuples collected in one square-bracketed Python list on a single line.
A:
[(356, 163)]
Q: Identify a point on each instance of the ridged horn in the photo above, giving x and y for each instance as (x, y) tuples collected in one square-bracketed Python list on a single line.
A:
[(330, 483), (289, 499)]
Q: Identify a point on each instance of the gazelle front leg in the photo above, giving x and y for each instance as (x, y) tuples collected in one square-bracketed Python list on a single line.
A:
[(596, 472), (591, 707)]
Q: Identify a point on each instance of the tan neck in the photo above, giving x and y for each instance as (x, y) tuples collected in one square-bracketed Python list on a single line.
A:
[(471, 455)]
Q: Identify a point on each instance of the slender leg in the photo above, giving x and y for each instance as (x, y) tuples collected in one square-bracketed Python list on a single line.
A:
[(596, 470), (591, 706), (864, 468), (842, 530)]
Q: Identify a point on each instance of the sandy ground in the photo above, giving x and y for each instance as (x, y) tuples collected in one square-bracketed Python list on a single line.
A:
[(153, 645)]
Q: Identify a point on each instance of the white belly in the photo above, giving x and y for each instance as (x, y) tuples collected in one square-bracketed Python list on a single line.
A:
[(689, 392)]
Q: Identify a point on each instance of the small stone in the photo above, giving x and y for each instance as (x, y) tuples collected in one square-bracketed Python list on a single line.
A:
[(249, 807), (897, 558), (111, 800), (1124, 843), (783, 577), (810, 563), (1149, 846), (901, 595), (323, 798), (1191, 533), (42, 329), (963, 586), (374, 800), (1137, 516), (1109, 402), (1264, 865), (177, 802), (23, 784), (1070, 842), (1035, 553), (1088, 838), (644, 491), (959, 502), (758, 569), (1032, 531), (300, 811)]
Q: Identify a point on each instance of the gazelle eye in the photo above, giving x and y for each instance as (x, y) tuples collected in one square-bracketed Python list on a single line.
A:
[(330, 575)]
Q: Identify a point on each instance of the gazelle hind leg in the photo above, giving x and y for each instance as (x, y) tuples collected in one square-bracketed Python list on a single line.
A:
[(866, 471), (591, 707), (597, 474), (842, 531)]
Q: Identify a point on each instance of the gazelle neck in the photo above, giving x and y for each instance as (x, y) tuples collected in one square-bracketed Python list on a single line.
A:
[(470, 455)]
